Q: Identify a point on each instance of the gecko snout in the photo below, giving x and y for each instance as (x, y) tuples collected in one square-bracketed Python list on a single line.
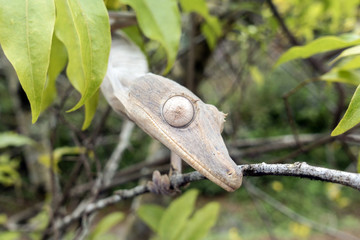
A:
[(234, 177)]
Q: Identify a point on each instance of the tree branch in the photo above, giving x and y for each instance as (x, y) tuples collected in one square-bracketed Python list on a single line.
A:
[(298, 169), (303, 170)]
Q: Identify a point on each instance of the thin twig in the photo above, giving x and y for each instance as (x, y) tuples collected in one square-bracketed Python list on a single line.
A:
[(304, 149), (260, 208), (297, 217), (288, 109)]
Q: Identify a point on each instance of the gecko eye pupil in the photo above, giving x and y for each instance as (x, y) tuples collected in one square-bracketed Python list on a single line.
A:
[(178, 111)]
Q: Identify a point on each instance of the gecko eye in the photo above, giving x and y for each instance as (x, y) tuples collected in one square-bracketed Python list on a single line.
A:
[(178, 111)]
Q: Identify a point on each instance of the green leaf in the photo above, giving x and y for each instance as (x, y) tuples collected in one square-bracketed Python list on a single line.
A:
[(201, 223), (8, 171), (11, 139), (83, 27), (358, 163), (352, 115), (256, 75), (106, 224), (10, 235), (210, 33), (112, 4), (348, 52), (343, 76), (3, 218), (211, 29), (151, 214), (58, 153), (90, 110), (351, 64), (58, 58), (41, 219), (176, 215), (319, 45), (26, 30), (134, 34), (198, 6), (160, 21)]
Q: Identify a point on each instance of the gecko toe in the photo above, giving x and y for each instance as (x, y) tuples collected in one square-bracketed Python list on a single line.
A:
[(160, 184)]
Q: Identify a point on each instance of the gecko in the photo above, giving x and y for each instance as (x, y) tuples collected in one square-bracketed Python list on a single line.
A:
[(170, 113)]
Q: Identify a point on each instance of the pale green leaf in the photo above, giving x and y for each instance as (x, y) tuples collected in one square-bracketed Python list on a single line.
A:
[(90, 110), (348, 52), (11, 139), (10, 235), (353, 63), (343, 76), (83, 27), (176, 216), (160, 21), (319, 45), (58, 58), (209, 35), (211, 32), (3, 218), (58, 153), (352, 115), (112, 4), (105, 225), (26, 30), (256, 75), (8, 171), (151, 214), (198, 6), (201, 223)]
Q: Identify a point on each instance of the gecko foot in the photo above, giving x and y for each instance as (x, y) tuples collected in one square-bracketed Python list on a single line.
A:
[(160, 184)]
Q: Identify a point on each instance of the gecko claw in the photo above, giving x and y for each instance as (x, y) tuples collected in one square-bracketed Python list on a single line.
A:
[(160, 184)]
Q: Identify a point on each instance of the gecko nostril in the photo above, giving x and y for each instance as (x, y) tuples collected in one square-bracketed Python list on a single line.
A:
[(178, 111), (231, 173)]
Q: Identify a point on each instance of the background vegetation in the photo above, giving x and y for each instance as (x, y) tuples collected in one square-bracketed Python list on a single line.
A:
[(227, 55)]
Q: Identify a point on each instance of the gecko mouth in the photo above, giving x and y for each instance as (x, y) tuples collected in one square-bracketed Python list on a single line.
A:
[(230, 181)]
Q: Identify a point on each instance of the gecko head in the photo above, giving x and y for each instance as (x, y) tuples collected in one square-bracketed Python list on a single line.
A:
[(187, 126)]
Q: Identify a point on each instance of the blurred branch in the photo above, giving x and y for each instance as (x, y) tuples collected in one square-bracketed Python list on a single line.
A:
[(120, 20), (288, 109), (100, 204), (295, 216), (113, 163), (281, 140), (257, 147)]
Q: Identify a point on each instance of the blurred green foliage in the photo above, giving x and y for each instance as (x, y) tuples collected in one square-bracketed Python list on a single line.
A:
[(180, 220)]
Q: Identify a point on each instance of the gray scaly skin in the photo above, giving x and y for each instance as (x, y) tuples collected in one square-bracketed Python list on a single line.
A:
[(169, 113)]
